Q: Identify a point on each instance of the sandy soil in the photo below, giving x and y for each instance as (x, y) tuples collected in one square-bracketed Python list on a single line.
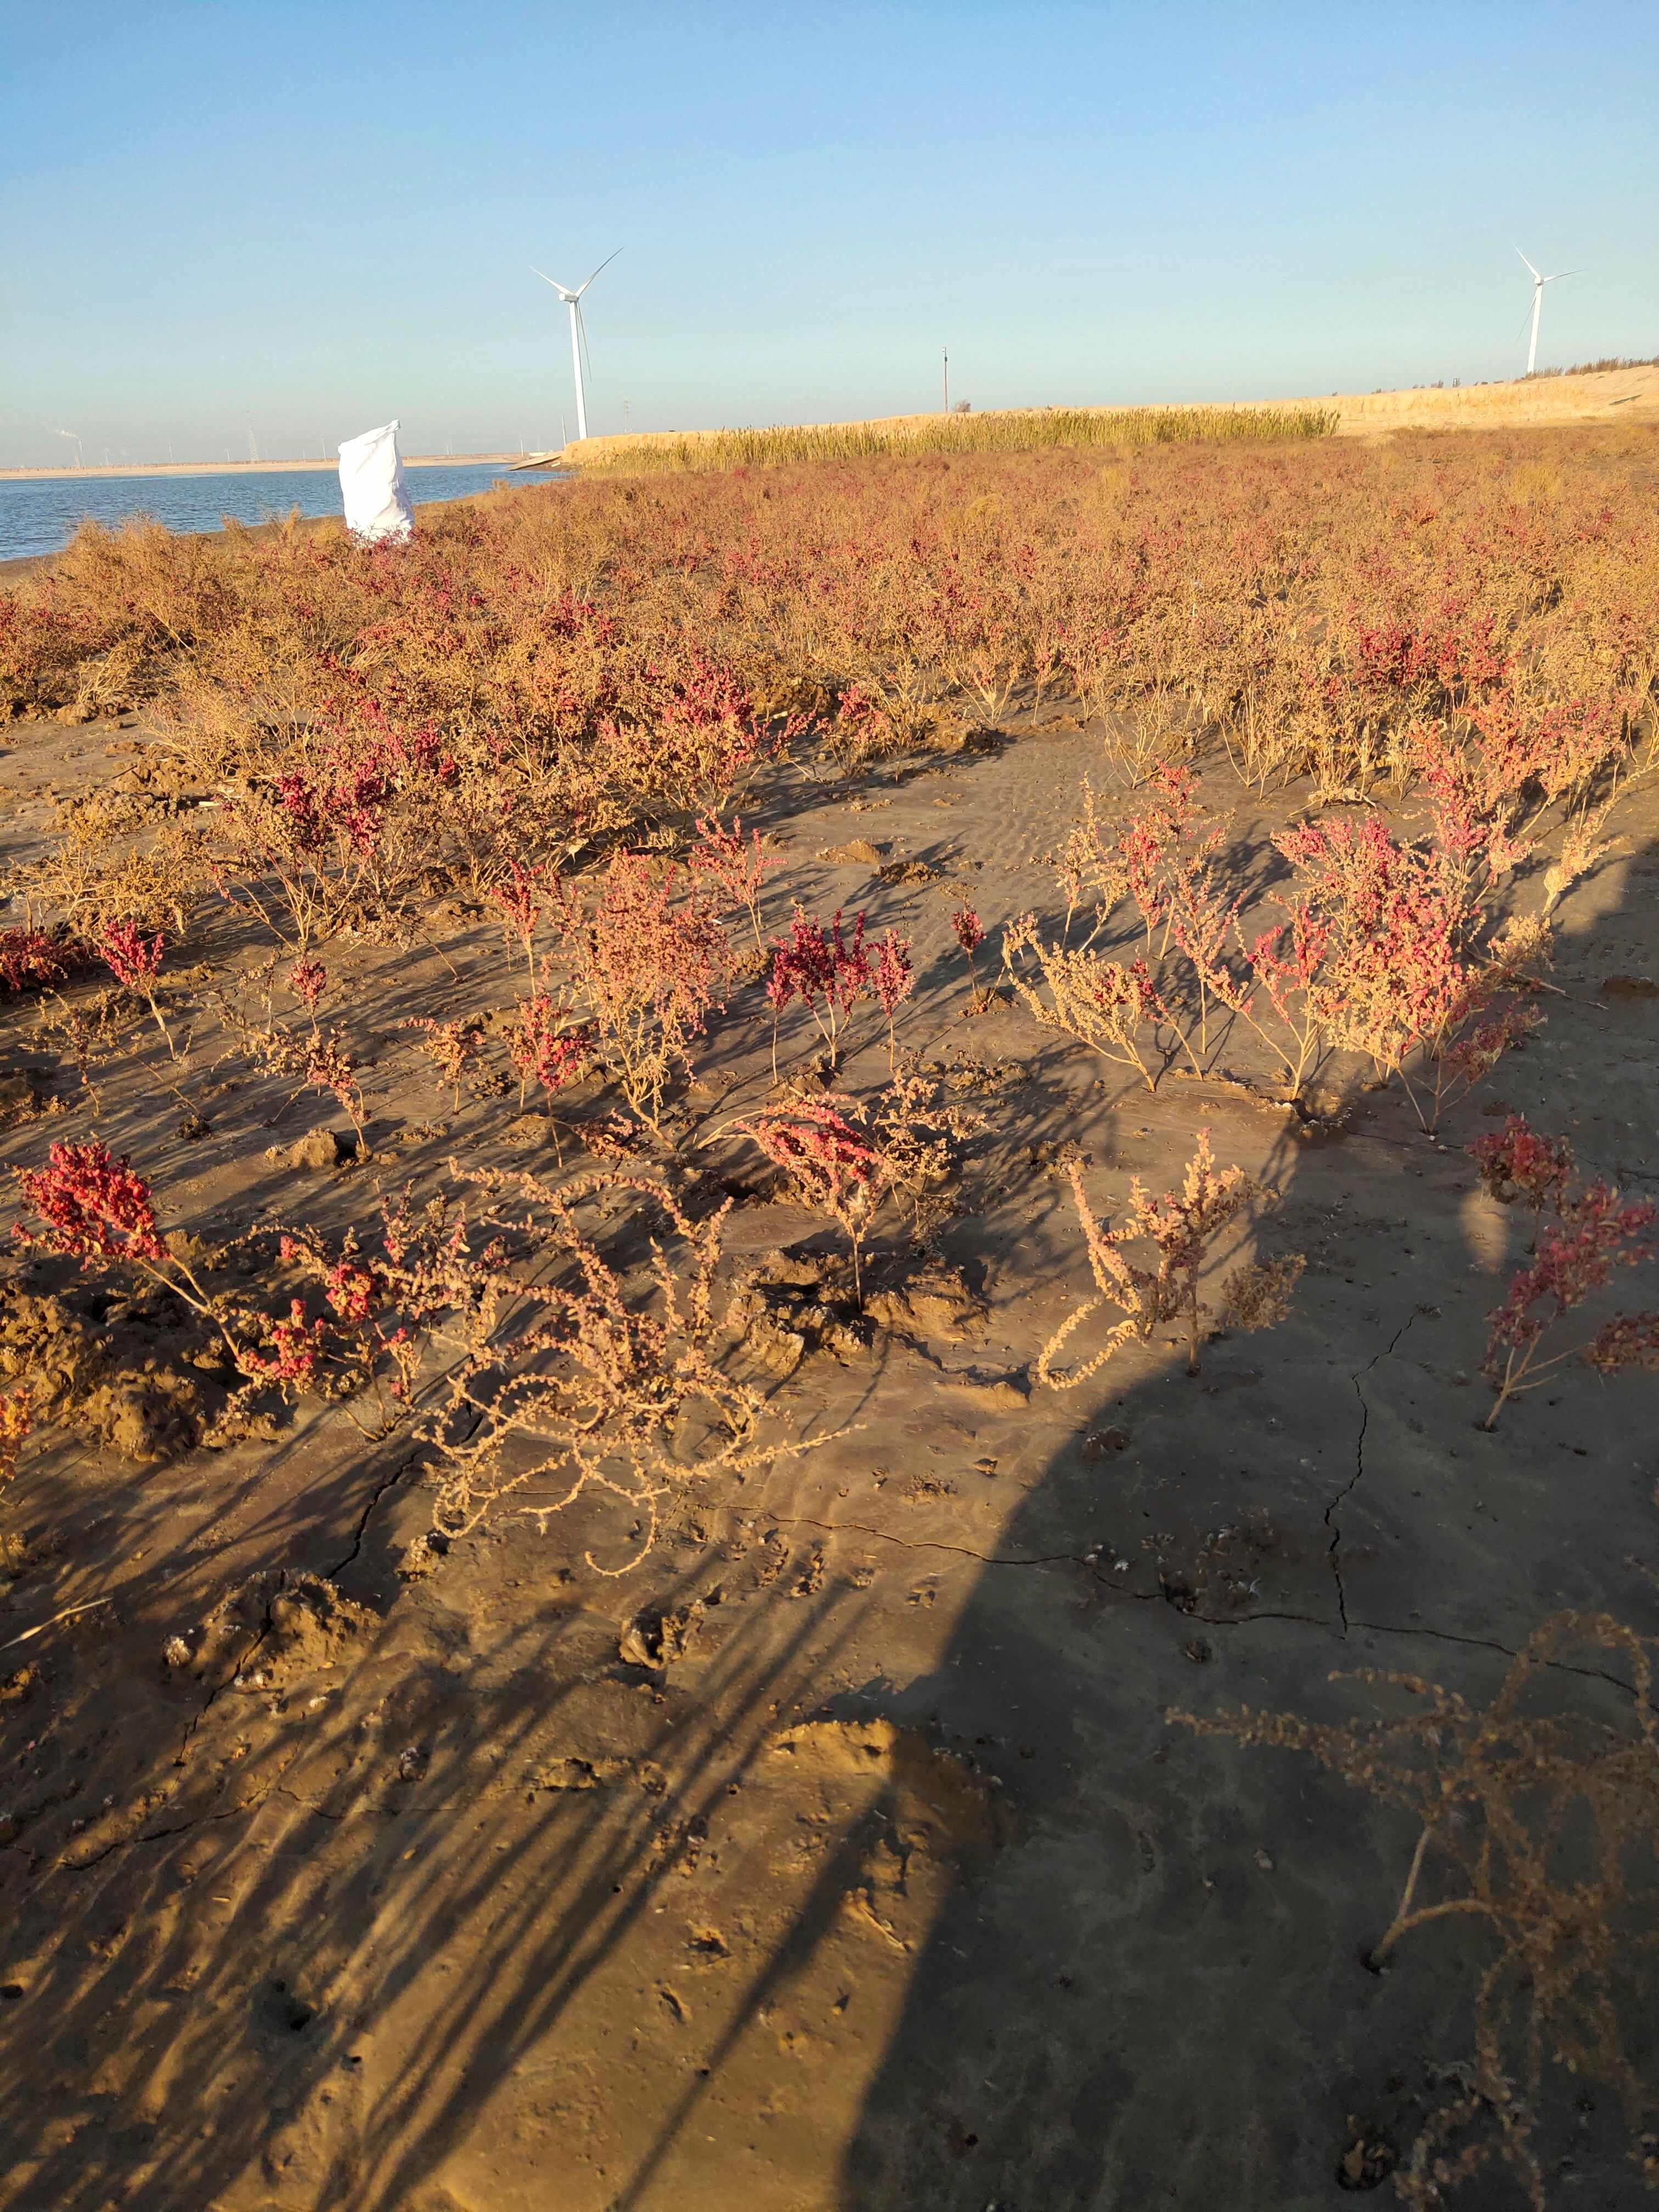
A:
[(839, 1856)]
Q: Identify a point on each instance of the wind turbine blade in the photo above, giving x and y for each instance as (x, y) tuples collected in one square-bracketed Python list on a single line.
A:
[(1537, 279), (581, 332), (1560, 274), (605, 263), (564, 290), (1522, 333)]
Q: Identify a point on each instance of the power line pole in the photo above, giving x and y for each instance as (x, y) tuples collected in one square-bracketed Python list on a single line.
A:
[(947, 380)]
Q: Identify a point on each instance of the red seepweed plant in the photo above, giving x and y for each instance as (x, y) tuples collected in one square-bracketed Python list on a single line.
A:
[(309, 979), (1517, 1162), (970, 934), (135, 960), (32, 960), (826, 970), (373, 1308), (98, 1210)]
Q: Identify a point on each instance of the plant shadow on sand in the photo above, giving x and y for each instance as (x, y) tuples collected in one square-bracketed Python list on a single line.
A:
[(857, 1864), (1161, 1992)]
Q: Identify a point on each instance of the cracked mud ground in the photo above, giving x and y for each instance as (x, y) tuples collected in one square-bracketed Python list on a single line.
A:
[(841, 1856)]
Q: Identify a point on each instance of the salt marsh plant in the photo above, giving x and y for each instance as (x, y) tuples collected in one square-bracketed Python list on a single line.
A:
[(1536, 1825), (1594, 1233), (1178, 1231)]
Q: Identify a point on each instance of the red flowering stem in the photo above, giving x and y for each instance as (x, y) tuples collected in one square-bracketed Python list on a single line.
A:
[(96, 1208), (134, 962)]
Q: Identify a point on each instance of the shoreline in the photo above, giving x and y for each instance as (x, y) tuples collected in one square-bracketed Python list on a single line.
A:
[(256, 468), (13, 567)]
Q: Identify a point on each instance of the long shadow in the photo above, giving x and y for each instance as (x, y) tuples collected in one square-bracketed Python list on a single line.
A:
[(253, 1954), (1156, 1997)]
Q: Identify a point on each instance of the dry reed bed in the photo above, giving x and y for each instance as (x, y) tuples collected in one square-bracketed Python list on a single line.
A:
[(1014, 430), (1601, 391)]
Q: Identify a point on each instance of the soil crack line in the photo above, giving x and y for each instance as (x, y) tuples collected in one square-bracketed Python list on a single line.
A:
[(1042, 1560), (387, 1482), (1334, 1549), (228, 1682)]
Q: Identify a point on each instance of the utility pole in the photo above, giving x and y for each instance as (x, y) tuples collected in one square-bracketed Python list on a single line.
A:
[(947, 380)]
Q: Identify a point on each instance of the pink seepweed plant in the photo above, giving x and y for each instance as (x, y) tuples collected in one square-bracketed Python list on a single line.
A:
[(520, 898), (1412, 969), (1594, 1233), (737, 865), (647, 959), (547, 1044), (892, 980), (832, 1159)]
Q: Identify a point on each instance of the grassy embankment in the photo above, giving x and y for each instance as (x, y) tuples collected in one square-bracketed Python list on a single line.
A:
[(1627, 395)]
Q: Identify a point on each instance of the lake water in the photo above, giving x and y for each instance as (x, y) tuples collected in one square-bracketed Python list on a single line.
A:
[(43, 516)]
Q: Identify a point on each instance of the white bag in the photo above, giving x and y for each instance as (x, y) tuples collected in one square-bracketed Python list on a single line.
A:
[(371, 484)]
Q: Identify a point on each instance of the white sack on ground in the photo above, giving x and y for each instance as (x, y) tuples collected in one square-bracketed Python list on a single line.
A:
[(371, 484)]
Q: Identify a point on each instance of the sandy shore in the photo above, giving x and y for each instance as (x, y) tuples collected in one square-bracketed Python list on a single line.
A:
[(249, 468)]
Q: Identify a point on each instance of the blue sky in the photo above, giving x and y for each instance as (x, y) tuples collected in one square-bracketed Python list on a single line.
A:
[(309, 218)]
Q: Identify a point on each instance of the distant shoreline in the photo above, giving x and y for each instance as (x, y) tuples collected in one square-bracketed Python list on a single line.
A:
[(257, 468)]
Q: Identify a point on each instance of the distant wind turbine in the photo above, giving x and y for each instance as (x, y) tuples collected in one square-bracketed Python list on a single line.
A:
[(578, 333), (75, 438), (1538, 284)]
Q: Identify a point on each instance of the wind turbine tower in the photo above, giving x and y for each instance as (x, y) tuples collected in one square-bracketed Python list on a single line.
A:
[(1538, 284), (578, 333)]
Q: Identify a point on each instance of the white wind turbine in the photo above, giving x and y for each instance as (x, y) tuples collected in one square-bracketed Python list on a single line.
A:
[(80, 458), (1538, 284), (578, 334)]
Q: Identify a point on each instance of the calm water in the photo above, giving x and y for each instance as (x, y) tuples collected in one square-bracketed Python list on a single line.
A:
[(40, 518)]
